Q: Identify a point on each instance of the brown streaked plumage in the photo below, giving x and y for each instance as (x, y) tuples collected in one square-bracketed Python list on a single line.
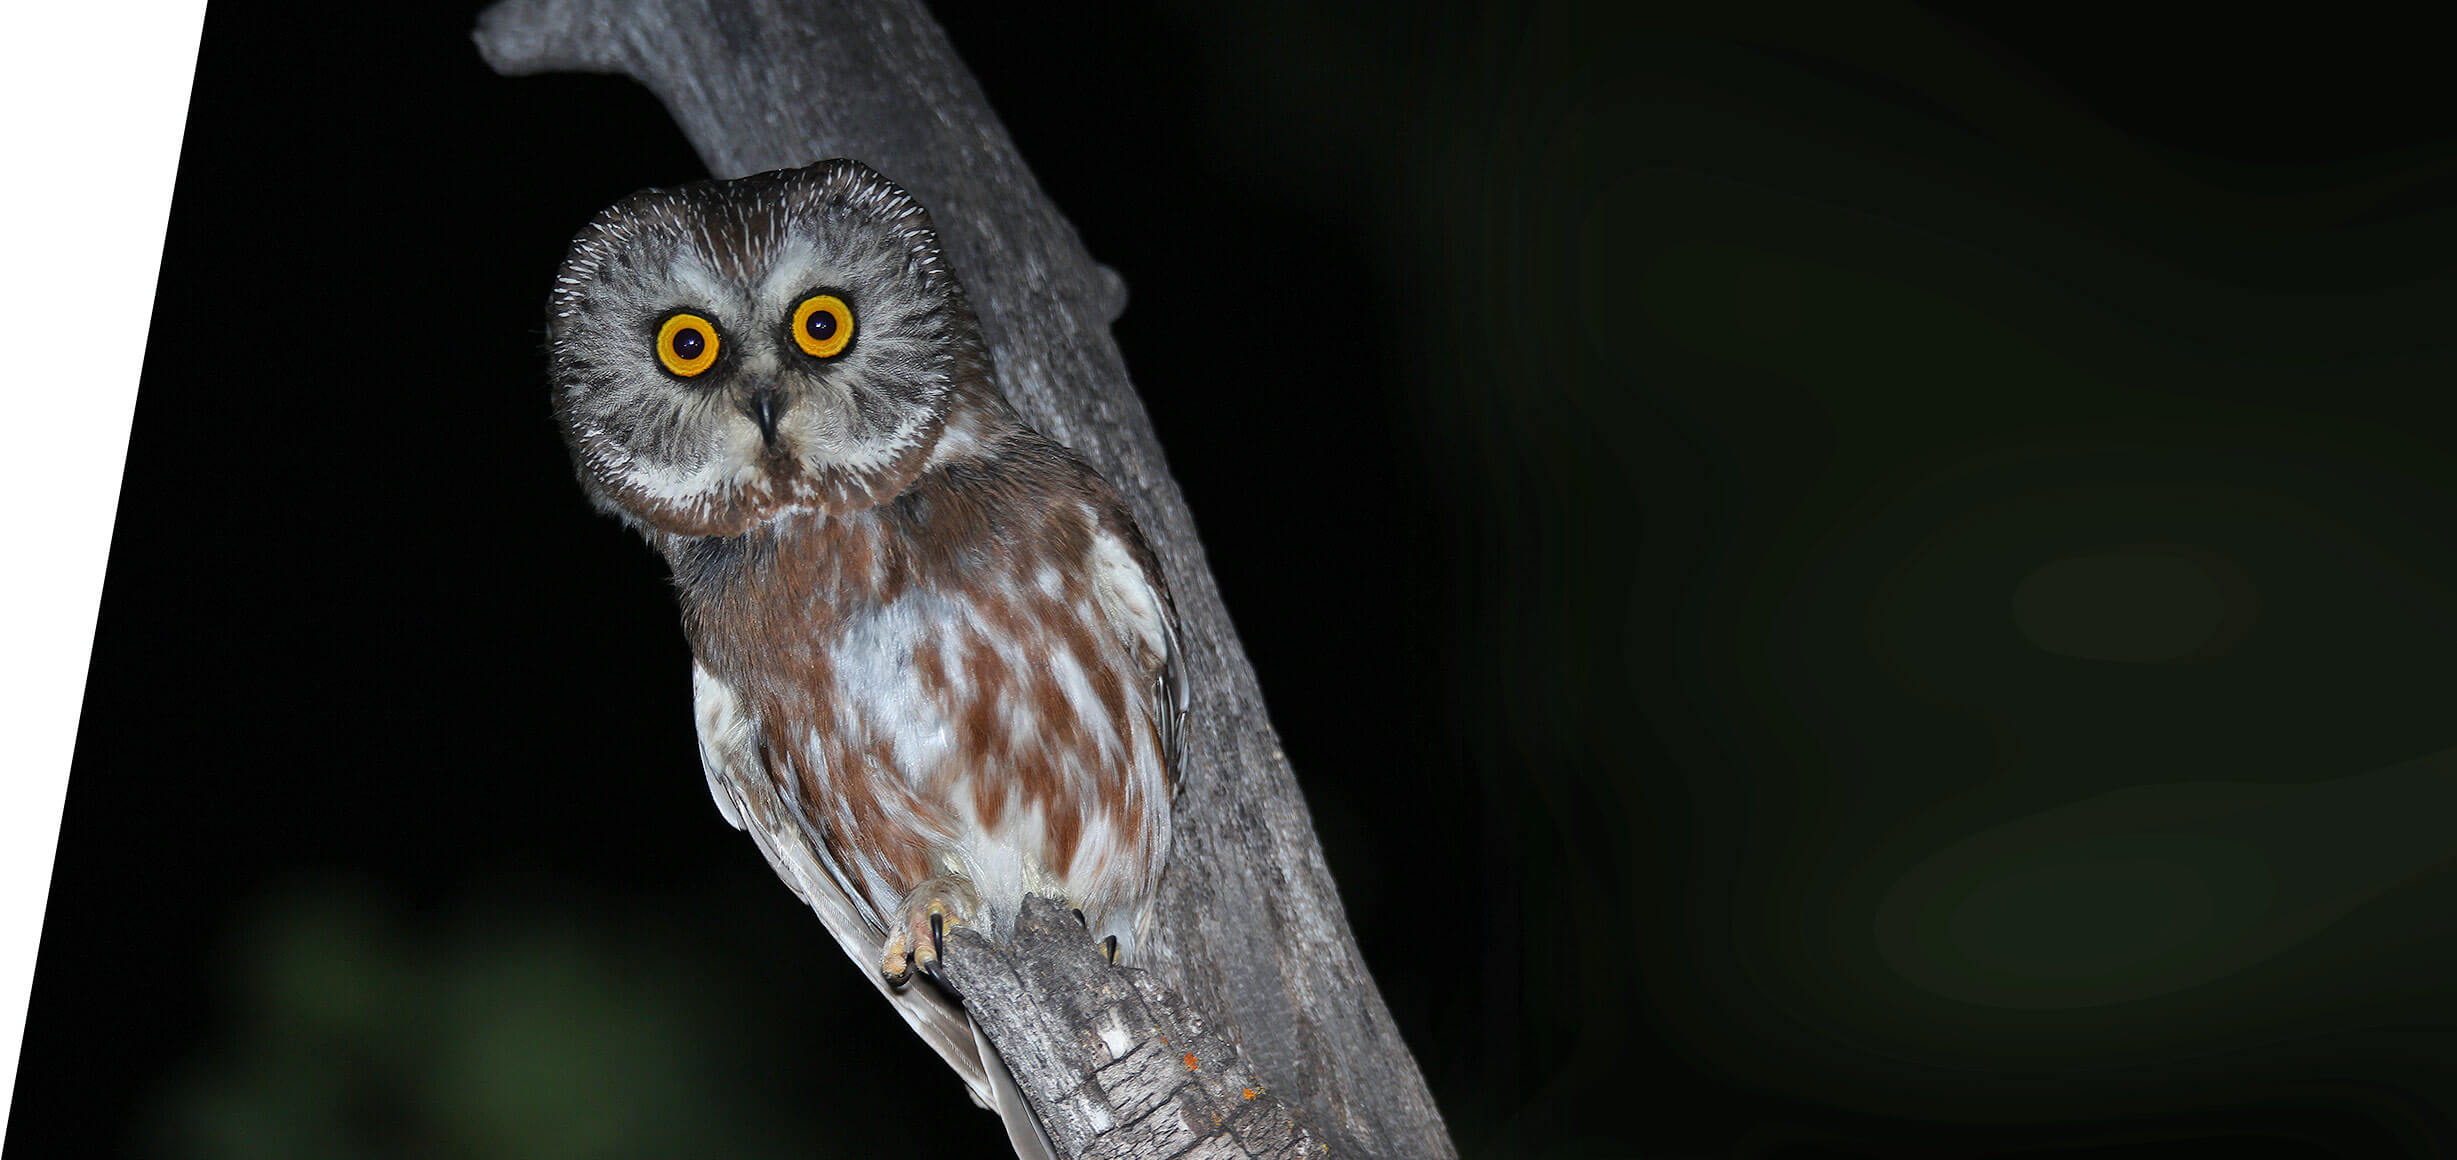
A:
[(973, 533), (935, 664)]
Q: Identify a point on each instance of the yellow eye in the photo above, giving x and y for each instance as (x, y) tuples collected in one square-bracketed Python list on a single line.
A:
[(687, 344), (823, 324)]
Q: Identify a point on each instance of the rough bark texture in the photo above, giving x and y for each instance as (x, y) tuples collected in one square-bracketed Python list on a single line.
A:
[(1248, 926), (1112, 1062)]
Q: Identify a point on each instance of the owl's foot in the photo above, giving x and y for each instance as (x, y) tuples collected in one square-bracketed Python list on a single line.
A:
[(935, 907)]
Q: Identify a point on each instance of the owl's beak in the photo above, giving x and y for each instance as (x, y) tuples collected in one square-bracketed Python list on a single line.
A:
[(763, 409)]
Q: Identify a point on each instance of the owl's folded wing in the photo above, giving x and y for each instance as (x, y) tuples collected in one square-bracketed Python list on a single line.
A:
[(747, 797), (1135, 599)]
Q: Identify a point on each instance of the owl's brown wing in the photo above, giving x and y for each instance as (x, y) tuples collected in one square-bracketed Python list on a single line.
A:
[(746, 795)]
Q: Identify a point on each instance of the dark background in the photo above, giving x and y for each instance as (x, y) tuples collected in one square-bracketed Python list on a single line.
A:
[(1859, 584)]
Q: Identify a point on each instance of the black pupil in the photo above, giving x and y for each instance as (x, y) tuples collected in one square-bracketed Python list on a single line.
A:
[(821, 325), (689, 342)]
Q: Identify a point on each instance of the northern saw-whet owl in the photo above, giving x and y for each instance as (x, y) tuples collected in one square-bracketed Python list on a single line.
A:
[(935, 666)]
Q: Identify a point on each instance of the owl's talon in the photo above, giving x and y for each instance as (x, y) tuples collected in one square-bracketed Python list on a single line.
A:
[(919, 939), (1109, 947), (1080, 920)]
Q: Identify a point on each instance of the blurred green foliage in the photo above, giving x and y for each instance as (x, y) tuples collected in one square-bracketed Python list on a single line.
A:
[(539, 1022)]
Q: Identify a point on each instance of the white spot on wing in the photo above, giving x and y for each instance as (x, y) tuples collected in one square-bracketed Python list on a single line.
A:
[(1127, 596)]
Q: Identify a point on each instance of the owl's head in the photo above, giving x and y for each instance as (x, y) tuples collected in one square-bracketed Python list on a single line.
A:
[(727, 351)]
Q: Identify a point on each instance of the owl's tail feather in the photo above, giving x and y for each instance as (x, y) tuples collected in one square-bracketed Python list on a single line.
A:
[(1023, 1130)]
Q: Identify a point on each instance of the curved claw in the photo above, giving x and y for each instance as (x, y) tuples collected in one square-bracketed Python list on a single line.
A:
[(919, 936), (938, 943)]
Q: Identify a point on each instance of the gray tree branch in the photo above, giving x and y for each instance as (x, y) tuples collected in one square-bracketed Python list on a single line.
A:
[(1248, 926), (1113, 1063)]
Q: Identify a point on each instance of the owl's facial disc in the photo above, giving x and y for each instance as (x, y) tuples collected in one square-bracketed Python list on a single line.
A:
[(735, 350)]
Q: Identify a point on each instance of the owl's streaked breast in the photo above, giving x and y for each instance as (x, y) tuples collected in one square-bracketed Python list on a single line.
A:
[(955, 675)]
